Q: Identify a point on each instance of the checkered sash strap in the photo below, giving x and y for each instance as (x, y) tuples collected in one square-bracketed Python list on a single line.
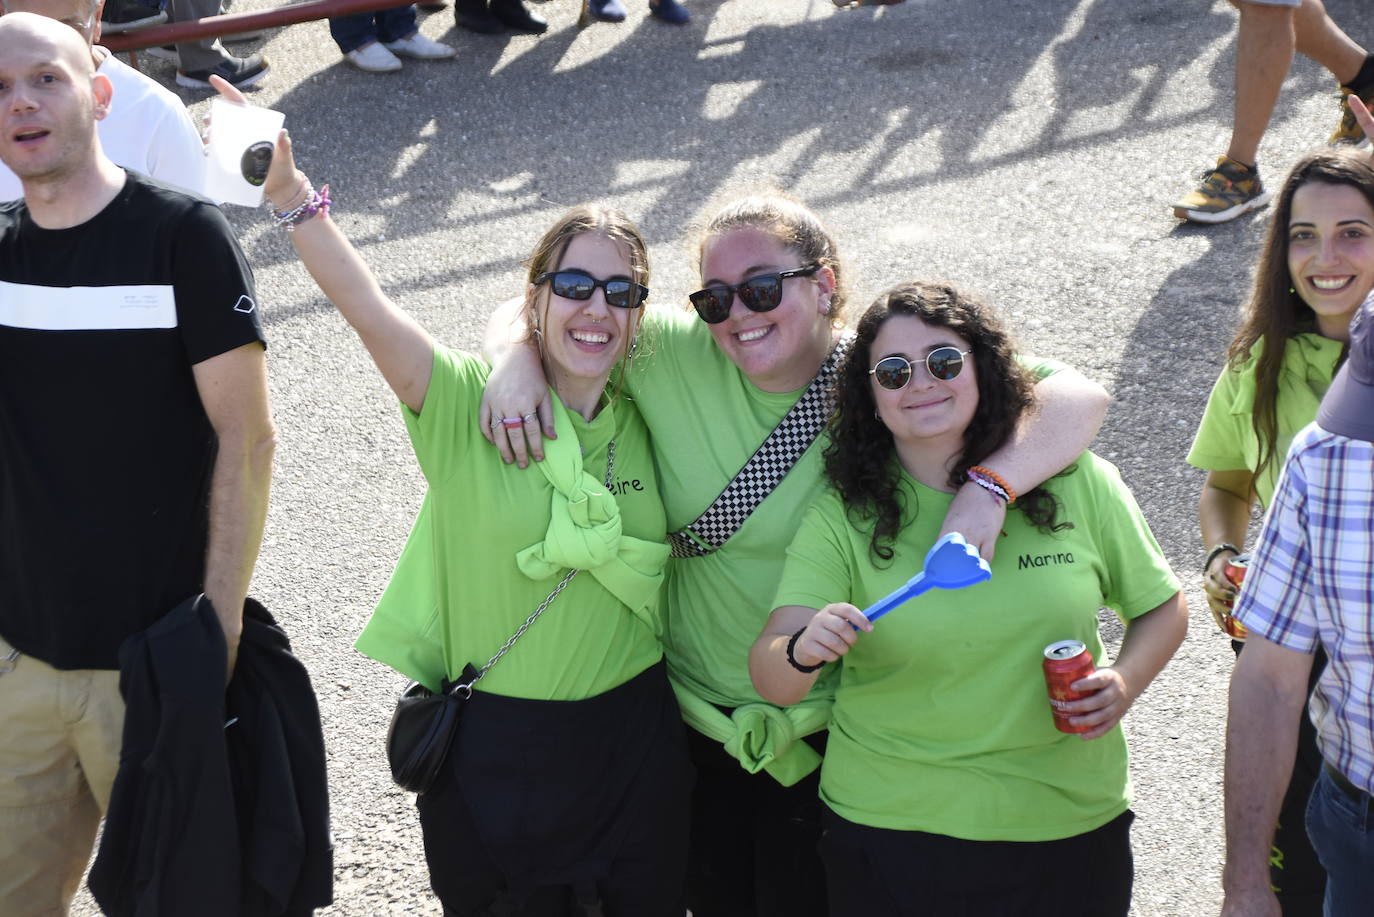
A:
[(768, 465)]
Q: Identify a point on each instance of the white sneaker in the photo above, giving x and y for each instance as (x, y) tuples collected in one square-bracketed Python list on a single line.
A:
[(421, 48), (373, 58)]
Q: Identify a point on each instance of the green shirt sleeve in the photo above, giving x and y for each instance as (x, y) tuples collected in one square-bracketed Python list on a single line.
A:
[(1225, 428), (817, 571), (1040, 367), (1137, 576), (446, 427)]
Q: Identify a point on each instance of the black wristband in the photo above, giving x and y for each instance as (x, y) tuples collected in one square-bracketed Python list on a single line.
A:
[(792, 660), (1212, 554)]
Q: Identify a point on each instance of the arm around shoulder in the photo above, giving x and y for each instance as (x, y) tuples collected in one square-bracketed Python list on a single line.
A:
[(1068, 412), (517, 387)]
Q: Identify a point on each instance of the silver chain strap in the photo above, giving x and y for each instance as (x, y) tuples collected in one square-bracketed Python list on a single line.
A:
[(465, 690)]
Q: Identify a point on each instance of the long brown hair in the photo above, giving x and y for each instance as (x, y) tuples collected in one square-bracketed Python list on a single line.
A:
[(1275, 312)]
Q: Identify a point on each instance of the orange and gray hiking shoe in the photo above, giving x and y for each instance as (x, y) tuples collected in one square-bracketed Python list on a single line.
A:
[(1225, 192), (1348, 131)]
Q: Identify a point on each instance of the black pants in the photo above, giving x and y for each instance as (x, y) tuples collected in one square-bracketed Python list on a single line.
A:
[(1296, 874), (753, 850), (560, 808), (874, 871)]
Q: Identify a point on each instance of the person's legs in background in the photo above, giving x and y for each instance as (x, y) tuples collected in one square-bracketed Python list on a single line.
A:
[(199, 60)]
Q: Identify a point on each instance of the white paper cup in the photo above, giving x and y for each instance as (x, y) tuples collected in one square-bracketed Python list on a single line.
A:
[(242, 138)]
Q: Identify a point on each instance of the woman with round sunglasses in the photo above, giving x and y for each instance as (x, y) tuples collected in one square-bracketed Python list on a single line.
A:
[(712, 385), (948, 788), (1316, 267), (567, 786)]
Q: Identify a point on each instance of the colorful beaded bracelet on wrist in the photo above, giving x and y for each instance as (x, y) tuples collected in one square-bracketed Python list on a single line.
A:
[(315, 202), (979, 473), (989, 486)]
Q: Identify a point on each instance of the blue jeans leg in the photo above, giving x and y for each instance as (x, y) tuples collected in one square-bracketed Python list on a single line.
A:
[(1342, 833), (396, 23), (352, 32)]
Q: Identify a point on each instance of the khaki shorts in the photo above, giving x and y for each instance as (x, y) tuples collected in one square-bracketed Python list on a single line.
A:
[(59, 750)]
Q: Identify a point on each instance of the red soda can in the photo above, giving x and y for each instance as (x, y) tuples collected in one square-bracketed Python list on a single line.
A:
[(1235, 572), (1066, 662)]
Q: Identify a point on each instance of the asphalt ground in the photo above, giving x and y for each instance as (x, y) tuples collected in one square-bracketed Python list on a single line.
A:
[(1027, 150)]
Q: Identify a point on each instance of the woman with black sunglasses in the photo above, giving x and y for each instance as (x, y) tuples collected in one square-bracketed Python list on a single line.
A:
[(567, 786), (948, 788), (713, 383)]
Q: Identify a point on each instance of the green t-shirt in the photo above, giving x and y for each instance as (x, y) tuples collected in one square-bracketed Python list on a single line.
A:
[(707, 419), (1226, 438), (461, 558), (941, 720)]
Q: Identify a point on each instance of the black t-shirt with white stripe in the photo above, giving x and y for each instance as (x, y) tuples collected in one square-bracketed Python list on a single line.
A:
[(105, 449)]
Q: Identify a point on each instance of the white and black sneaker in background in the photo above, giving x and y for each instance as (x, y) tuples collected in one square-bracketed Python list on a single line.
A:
[(238, 71)]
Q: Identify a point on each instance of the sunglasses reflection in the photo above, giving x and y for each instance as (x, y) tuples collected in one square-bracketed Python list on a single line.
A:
[(943, 364), (579, 286), (760, 293)]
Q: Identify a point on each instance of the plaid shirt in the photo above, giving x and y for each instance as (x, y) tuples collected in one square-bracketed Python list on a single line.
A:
[(1311, 581)]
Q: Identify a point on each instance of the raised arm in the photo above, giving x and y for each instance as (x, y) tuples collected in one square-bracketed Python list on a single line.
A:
[(516, 387), (233, 391), (1069, 410), (402, 350)]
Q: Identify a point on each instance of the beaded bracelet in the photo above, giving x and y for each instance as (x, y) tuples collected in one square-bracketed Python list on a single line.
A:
[(979, 471), (315, 202), (989, 486), (792, 660)]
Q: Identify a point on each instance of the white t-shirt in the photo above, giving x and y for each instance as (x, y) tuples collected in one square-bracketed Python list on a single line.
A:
[(147, 130)]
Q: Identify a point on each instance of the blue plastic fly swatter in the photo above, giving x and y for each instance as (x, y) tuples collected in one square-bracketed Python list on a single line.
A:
[(951, 563)]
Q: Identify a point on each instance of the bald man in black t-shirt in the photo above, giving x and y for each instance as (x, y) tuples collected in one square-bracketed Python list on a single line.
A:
[(135, 445)]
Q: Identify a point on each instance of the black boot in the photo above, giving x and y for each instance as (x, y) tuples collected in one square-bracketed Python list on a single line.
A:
[(474, 16), (516, 18)]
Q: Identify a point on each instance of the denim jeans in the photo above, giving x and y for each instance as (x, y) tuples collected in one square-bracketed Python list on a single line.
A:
[(1342, 833), (352, 32)]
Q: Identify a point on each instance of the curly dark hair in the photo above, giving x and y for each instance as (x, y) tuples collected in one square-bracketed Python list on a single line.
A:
[(861, 459)]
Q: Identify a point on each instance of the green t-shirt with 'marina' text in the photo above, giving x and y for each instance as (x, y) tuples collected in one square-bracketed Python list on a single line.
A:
[(941, 720), (707, 419)]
